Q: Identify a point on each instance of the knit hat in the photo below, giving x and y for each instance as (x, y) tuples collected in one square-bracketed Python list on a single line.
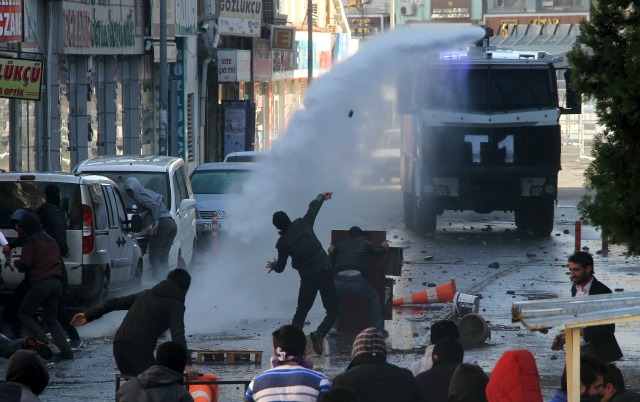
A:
[(281, 220), (370, 341), (181, 277), (18, 214), (26, 367), (355, 231), (52, 194), (172, 355)]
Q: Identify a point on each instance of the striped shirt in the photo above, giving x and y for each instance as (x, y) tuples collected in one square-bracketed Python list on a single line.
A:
[(287, 383)]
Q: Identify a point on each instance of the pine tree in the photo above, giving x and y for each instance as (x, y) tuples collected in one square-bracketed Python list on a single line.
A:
[(605, 60)]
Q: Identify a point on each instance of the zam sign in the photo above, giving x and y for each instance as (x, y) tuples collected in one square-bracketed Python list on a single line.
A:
[(11, 21)]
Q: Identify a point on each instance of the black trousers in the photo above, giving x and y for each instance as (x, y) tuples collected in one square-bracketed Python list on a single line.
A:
[(132, 359), (309, 288)]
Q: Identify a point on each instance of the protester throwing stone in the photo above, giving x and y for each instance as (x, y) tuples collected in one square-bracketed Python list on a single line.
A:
[(298, 241)]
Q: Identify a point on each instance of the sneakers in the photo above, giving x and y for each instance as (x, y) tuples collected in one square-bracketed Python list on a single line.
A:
[(75, 344), (317, 342), (40, 348)]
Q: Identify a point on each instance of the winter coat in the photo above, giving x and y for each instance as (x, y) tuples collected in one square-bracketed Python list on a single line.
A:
[(468, 384), (426, 361), (26, 377), (375, 380), (157, 384), (352, 253), (147, 200), (626, 397), (40, 257), (434, 383), (559, 396), (151, 313), (299, 241), (53, 222), (601, 338), (515, 378)]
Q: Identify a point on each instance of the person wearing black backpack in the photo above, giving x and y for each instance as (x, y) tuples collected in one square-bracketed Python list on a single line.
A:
[(55, 225)]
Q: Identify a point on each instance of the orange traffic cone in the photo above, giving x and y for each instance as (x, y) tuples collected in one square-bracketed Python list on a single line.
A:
[(439, 294), (205, 392)]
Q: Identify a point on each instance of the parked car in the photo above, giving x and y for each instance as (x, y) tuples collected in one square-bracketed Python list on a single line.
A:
[(215, 185), (104, 255), (245, 156), (165, 175)]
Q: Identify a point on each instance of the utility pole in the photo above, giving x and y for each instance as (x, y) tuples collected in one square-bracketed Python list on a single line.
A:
[(310, 42), (164, 81)]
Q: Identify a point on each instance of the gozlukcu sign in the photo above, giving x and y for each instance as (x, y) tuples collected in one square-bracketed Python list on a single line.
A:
[(21, 78)]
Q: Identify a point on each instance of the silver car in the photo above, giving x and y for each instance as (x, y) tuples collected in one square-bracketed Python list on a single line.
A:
[(215, 186)]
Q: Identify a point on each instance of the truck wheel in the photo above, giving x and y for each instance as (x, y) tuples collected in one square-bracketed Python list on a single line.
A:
[(542, 210), (425, 220), (409, 206), (522, 219)]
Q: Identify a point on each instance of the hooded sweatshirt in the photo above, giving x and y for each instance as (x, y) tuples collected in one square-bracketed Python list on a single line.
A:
[(158, 384), (151, 312), (468, 384), (26, 377), (299, 241), (40, 257), (515, 378), (147, 200)]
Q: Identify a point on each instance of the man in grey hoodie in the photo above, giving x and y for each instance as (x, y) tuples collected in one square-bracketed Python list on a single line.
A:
[(164, 227)]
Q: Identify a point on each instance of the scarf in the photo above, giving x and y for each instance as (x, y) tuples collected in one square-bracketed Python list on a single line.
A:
[(281, 357)]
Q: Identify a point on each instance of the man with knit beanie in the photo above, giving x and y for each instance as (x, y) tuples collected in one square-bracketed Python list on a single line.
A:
[(150, 313), (298, 241), (372, 377), (162, 382)]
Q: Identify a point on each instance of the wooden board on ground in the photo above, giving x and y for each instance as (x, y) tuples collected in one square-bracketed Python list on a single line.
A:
[(236, 356)]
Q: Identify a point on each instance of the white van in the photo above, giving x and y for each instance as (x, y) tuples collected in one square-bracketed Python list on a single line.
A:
[(165, 175), (104, 255)]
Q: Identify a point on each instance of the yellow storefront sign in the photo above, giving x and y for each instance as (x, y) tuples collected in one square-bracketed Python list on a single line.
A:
[(21, 78)]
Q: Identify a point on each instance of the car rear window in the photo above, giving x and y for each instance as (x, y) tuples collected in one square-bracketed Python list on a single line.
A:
[(218, 181), (30, 195), (154, 181)]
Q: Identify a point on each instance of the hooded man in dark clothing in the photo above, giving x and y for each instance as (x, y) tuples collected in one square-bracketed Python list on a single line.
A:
[(349, 257), (308, 257), (162, 382), (26, 377), (468, 384), (164, 228), (40, 261), (55, 224), (434, 383), (373, 379), (150, 313)]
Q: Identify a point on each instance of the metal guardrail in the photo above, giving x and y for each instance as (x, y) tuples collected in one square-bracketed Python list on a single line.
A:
[(575, 313)]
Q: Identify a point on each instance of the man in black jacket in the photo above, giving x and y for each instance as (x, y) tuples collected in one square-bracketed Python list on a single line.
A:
[(150, 313), (600, 340), (373, 379), (308, 257), (349, 257), (55, 224), (434, 383)]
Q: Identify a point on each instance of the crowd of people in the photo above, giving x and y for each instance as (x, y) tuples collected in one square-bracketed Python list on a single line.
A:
[(443, 374)]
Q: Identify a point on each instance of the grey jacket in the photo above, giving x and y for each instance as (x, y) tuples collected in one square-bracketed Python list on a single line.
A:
[(147, 200), (158, 384)]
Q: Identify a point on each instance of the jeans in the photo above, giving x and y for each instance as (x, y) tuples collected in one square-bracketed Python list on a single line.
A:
[(44, 294), (160, 245), (362, 288), (309, 287)]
